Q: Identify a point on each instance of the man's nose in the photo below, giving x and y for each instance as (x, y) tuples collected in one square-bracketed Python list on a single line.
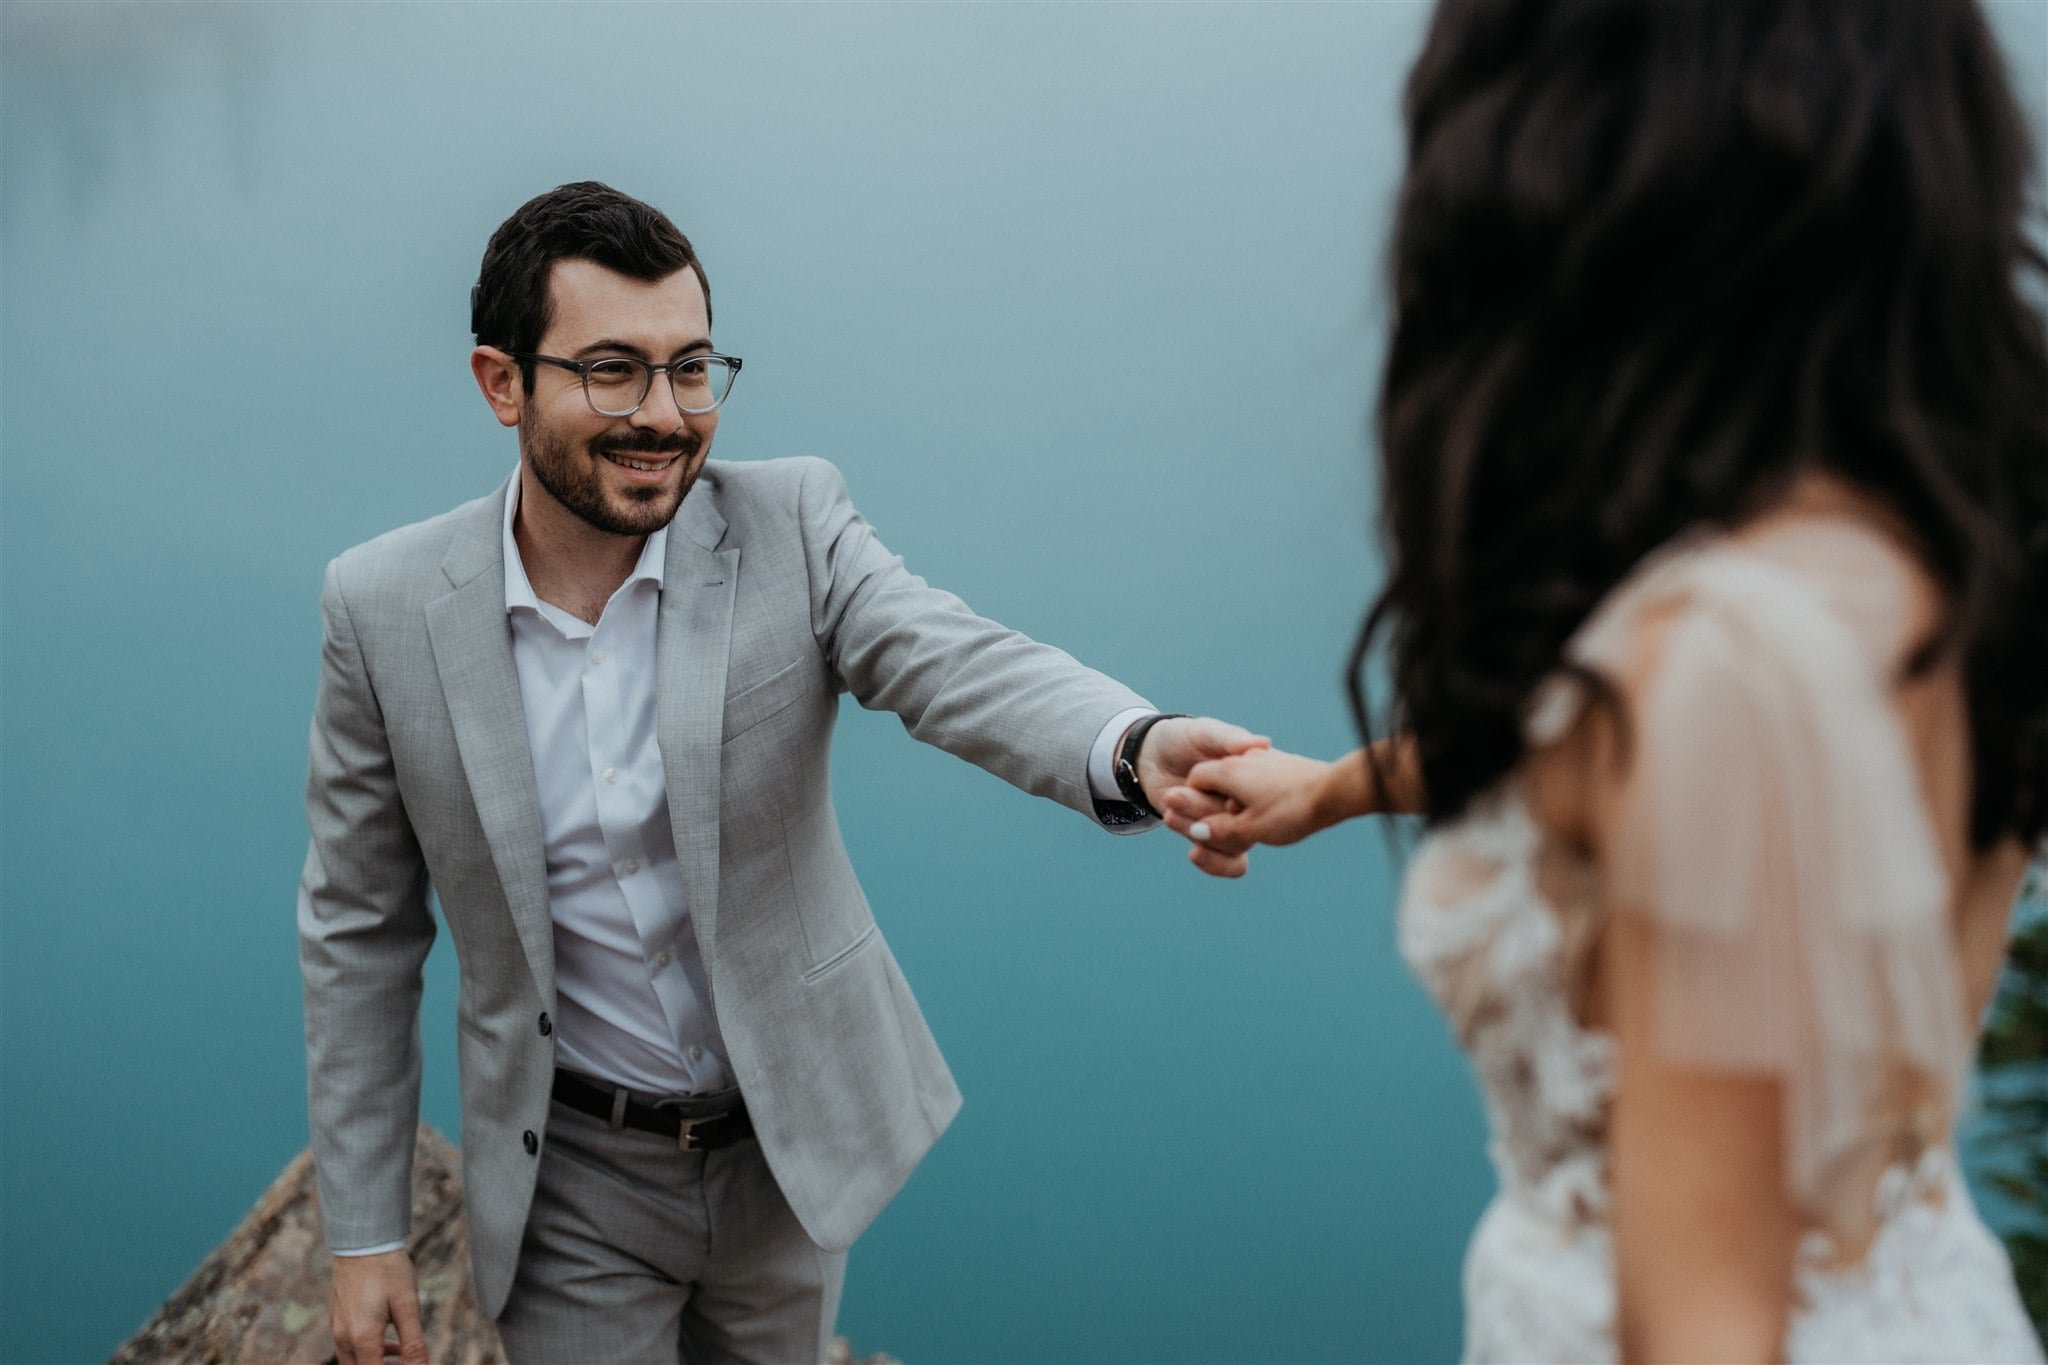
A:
[(659, 408)]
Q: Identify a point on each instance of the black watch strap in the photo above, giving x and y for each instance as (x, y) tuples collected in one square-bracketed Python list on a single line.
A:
[(1126, 766)]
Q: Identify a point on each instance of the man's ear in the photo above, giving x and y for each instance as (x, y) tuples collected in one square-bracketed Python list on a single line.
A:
[(504, 388)]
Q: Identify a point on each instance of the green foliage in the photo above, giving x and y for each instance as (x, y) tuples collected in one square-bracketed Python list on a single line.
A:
[(2014, 1063)]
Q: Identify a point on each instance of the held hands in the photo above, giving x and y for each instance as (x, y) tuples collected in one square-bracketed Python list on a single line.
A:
[(371, 1292), (1263, 796), (1174, 747)]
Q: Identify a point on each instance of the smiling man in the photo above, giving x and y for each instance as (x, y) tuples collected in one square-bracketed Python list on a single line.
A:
[(592, 711)]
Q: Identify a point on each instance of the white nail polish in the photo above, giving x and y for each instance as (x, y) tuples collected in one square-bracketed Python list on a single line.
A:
[(1199, 831)]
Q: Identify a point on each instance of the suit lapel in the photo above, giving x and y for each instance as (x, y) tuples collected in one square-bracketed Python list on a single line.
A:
[(472, 642), (693, 643)]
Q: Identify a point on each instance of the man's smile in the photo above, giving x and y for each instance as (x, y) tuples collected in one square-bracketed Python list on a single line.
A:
[(640, 466)]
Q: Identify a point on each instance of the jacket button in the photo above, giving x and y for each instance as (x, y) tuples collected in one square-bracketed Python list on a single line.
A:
[(532, 1142), (546, 1027)]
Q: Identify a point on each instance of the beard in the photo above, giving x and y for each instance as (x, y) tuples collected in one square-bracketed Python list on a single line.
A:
[(573, 478)]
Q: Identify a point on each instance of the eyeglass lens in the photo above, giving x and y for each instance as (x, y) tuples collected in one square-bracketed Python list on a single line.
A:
[(618, 386)]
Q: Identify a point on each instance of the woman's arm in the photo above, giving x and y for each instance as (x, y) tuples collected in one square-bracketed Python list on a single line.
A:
[(1274, 797), (1704, 1233), (1704, 1228)]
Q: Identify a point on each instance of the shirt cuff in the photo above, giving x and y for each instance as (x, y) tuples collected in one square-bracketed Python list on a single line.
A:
[(1112, 812), (377, 1250), (1102, 758)]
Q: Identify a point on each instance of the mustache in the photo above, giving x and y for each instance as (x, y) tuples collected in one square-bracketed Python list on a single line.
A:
[(648, 443)]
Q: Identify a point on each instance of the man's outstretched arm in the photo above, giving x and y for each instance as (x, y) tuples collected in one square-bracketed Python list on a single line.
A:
[(1025, 711)]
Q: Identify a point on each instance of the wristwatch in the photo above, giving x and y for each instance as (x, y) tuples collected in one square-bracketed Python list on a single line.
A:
[(1126, 765)]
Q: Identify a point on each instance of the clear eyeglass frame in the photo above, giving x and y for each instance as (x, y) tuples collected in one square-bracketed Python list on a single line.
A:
[(616, 385)]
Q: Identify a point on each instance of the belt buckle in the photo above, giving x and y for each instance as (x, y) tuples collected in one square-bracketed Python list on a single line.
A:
[(686, 1136)]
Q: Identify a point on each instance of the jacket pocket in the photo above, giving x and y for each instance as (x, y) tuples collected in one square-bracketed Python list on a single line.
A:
[(840, 958), (757, 703)]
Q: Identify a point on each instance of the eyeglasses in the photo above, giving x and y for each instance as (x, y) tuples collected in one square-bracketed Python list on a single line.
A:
[(617, 385)]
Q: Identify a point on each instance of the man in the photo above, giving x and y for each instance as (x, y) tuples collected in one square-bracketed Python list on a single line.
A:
[(592, 711)]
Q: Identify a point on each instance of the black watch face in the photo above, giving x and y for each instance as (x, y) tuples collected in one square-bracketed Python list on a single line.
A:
[(1127, 780)]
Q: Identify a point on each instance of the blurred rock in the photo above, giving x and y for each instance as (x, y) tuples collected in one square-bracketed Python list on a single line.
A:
[(261, 1296), (841, 1353)]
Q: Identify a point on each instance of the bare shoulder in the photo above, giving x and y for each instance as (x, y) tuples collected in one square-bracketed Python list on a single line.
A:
[(1807, 662), (1861, 558), (1823, 559)]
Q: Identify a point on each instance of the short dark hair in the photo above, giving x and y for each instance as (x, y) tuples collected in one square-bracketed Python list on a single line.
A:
[(509, 308)]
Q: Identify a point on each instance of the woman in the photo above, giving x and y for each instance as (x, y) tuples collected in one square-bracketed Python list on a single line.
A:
[(1715, 441)]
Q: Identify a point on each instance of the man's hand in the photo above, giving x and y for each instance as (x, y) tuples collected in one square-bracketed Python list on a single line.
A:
[(1172, 750), (1173, 747), (371, 1292)]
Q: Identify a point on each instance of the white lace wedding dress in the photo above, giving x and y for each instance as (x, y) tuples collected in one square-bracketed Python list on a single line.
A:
[(1816, 946)]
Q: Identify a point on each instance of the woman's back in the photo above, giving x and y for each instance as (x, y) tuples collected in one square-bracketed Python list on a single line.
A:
[(1775, 810)]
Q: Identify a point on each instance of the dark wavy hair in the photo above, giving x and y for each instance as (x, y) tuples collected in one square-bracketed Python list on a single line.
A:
[(1653, 259), (586, 220)]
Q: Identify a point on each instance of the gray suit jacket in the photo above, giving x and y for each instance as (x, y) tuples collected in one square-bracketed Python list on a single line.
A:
[(776, 597)]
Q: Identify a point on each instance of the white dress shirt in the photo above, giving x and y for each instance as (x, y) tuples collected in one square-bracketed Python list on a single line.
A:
[(632, 1005), (632, 1002)]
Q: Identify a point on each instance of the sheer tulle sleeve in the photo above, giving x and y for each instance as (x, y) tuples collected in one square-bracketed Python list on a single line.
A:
[(1773, 827)]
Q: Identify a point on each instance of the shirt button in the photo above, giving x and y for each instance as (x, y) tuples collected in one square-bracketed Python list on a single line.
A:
[(611, 774), (632, 866), (529, 1141), (661, 959), (696, 1052), (596, 656), (546, 1025)]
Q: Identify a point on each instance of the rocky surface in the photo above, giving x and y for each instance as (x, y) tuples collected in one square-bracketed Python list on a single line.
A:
[(261, 1296)]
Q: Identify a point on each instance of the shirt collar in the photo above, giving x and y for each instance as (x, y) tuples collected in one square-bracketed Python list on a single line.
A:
[(519, 589)]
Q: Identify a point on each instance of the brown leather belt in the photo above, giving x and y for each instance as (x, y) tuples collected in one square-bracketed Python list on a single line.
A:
[(692, 1132)]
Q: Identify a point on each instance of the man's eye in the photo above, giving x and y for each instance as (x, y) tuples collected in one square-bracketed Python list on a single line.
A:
[(692, 369), (612, 372)]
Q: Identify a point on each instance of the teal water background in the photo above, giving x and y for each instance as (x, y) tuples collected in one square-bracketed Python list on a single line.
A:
[(1084, 301)]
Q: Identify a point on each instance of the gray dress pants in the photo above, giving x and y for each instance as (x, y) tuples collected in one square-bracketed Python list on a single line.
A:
[(638, 1251)]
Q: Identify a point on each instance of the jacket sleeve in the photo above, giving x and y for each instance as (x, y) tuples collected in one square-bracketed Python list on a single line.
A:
[(364, 932), (1025, 711)]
